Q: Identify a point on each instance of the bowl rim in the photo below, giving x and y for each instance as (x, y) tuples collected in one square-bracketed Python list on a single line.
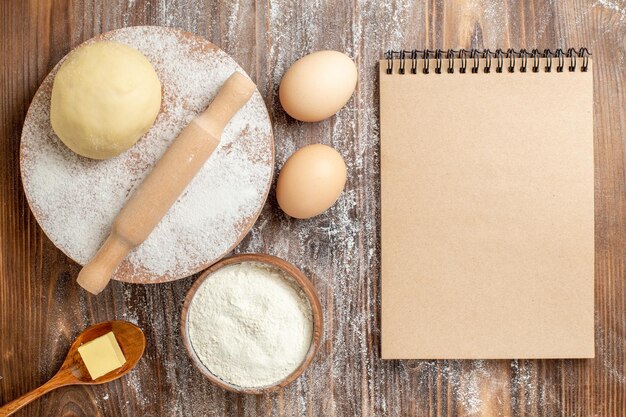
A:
[(291, 271)]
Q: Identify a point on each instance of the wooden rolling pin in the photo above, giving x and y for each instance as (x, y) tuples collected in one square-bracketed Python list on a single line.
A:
[(168, 179)]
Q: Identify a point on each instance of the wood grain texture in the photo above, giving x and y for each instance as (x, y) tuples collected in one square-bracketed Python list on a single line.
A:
[(42, 309)]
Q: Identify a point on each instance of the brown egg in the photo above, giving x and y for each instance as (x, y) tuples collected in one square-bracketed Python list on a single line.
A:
[(311, 181), (316, 86)]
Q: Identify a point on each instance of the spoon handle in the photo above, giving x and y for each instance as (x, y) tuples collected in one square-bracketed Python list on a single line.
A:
[(55, 382)]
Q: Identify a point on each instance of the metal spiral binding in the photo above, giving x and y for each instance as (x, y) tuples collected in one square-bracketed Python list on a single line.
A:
[(475, 56)]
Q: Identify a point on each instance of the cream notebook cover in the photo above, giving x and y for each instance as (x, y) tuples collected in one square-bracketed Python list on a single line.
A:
[(487, 210)]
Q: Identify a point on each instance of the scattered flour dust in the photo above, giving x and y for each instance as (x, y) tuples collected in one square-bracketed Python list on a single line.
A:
[(249, 325), (75, 199)]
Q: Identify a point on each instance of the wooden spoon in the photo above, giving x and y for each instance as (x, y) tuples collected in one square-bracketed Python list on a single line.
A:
[(73, 371)]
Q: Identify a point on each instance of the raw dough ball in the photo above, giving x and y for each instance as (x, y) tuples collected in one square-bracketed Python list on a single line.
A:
[(105, 96)]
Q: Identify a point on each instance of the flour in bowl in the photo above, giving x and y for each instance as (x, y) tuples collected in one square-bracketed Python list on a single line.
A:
[(250, 325)]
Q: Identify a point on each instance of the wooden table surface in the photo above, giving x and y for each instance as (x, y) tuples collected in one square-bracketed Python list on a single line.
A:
[(42, 309)]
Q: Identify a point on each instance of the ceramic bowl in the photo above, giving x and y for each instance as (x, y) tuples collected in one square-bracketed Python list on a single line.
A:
[(290, 271)]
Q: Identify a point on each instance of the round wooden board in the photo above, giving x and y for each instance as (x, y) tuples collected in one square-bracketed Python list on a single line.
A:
[(75, 199)]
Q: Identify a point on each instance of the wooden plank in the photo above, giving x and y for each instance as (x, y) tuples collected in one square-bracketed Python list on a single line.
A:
[(42, 309)]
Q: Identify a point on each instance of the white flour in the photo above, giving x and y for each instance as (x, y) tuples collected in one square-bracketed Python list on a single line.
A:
[(250, 326), (75, 199)]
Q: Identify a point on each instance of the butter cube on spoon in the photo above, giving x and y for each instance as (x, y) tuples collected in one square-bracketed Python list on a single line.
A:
[(102, 355)]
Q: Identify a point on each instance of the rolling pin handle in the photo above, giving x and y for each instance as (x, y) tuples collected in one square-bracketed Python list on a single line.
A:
[(159, 190), (235, 92), (95, 276)]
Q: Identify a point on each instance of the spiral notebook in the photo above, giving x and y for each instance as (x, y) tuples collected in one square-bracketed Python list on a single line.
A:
[(487, 204)]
